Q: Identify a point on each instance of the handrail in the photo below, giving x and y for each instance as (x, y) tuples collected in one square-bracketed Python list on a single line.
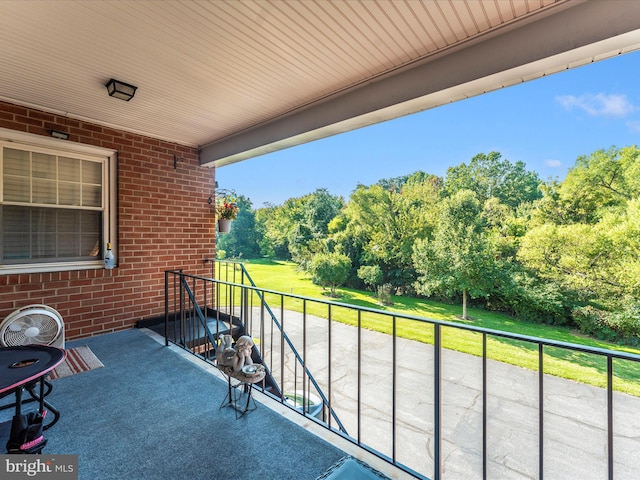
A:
[(197, 309), (278, 325), (275, 322)]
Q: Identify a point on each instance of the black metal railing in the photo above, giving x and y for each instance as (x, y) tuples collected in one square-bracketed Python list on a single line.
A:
[(197, 329), (430, 410)]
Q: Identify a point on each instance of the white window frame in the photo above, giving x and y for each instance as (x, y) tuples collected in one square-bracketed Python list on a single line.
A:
[(39, 143)]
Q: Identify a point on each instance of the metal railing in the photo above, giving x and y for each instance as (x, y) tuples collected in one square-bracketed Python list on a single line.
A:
[(196, 328), (430, 410)]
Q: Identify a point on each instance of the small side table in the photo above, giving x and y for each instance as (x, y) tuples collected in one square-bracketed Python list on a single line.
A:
[(243, 386)]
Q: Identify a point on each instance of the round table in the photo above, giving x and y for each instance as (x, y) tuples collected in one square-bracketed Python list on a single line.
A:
[(24, 366)]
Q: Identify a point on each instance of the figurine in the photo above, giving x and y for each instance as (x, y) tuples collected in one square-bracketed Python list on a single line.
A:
[(242, 357), (225, 352)]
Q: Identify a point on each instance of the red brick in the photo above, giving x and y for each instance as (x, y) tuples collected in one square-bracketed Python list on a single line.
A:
[(156, 205)]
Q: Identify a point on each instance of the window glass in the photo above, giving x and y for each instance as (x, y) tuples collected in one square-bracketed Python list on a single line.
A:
[(69, 169), (92, 173), (43, 166), (53, 208), (16, 173)]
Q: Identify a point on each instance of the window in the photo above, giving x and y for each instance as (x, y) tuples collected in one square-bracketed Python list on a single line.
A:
[(57, 207)]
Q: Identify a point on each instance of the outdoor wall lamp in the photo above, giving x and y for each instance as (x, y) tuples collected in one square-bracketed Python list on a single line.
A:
[(60, 135), (120, 90)]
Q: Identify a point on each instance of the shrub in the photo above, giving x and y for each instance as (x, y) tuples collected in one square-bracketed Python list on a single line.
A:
[(384, 294), (533, 301), (621, 326), (330, 270), (592, 321), (370, 274)]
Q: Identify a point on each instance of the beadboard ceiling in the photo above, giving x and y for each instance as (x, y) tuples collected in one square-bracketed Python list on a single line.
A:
[(243, 77)]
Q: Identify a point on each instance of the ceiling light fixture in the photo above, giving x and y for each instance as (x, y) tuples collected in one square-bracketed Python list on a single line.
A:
[(60, 135), (120, 90)]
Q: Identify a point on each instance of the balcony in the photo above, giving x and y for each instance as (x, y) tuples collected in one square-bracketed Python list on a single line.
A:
[(407, 409)]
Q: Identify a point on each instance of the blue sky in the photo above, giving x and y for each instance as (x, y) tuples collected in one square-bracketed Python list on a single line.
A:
[(546, 123)]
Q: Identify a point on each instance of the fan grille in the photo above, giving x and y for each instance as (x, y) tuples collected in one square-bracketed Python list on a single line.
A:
[(31, 326)]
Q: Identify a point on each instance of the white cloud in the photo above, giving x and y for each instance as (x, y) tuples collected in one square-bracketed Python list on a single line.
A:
[(553, 163), (598, 105), (634, 126)]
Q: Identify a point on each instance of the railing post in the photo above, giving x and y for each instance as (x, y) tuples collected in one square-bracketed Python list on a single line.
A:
[(393, 390), (282, 348), (303, 364), (359, 372), (245, 309), (437, 399), (540, 411), (182, 312), (166, 308), (329, 362), (610, 415), (484, 406)]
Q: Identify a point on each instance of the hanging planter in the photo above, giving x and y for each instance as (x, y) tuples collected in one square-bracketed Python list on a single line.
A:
[(226, 212), (224, 225)]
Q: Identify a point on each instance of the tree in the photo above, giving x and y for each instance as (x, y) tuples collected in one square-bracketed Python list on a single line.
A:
[(382, 224), (586, 235), (488, 175), (330, 270), (370, 275), (243, 239), (319, 209), (310, 234), (458, 260), (599, 260), (596, 183)]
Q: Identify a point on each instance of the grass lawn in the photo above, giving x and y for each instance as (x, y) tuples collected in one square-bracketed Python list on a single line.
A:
[(591, 369)]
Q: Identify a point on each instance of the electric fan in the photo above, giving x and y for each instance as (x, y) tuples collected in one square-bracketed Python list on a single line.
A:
[(32, 325)]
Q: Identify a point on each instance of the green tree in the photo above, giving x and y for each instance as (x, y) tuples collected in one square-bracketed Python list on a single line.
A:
[(370, 275), (382, 225), (298, 229), (458, 260), (586, 228), (488, 175), (277, 224), (596, 183), (309, 236), (319, 209), (243, 239), (330, 270)]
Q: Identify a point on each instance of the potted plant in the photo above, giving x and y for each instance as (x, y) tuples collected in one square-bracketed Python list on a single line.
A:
[(226, 212)]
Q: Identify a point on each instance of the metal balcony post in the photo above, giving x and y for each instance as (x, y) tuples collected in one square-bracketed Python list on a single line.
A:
[(610, 415), (245, 309), (182, 312), (484, 406), (166, 308), (540, 411), (359, 373), (329, 361), (393, 390), (437, 399)]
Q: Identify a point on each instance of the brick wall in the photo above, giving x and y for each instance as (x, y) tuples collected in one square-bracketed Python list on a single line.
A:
[(164, 222)]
